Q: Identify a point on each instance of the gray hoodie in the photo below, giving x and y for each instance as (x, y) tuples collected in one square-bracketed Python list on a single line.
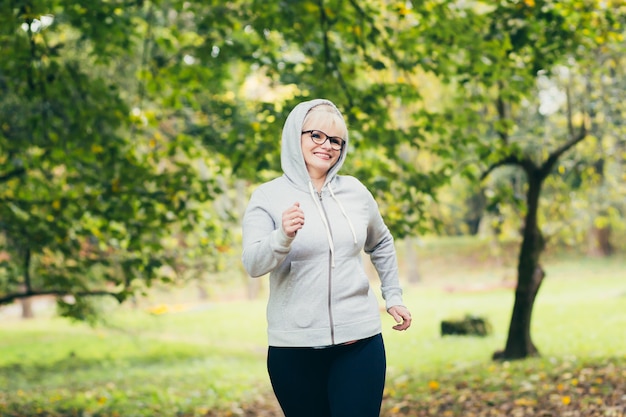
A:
[(319, 292)]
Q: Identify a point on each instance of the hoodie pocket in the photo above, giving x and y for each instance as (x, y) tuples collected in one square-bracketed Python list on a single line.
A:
[(306, 302), (353, 298)]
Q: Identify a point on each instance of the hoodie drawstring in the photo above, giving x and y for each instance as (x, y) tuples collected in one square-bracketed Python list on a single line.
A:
[(326, 225), (328, 235), (343, 210)]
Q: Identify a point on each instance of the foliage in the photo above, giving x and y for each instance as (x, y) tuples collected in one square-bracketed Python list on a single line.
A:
[(555, 387), (536, 388), (94, 199)]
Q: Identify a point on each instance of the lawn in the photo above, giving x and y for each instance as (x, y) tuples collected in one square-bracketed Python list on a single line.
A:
[(188, 359)]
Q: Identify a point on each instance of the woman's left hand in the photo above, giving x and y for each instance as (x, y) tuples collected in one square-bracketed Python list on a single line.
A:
[(402, 316)]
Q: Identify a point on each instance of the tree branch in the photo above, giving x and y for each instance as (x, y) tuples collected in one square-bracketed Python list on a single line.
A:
[(570, 123), (556, 154), (574, 137), (509, 160), (9, 298), (27, 283), (501, 106), (145, 56), (328, 58), (15, 173)]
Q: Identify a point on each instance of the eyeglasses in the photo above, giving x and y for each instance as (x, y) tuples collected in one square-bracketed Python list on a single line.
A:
[(320, 138)]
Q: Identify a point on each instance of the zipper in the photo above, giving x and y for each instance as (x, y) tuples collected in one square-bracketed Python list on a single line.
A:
[(330, 274)]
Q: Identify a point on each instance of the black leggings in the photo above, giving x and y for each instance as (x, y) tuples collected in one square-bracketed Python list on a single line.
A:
[(337, 381)]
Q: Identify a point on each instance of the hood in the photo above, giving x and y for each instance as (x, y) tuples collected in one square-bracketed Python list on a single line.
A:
[(292, 160)]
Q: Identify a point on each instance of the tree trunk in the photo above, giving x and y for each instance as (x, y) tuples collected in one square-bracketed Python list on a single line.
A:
[(203, 293), (600, 244), (475, 204), (529, 277), (27, 306)]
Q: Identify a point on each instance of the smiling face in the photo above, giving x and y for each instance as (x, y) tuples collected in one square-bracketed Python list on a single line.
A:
[(319, 159)]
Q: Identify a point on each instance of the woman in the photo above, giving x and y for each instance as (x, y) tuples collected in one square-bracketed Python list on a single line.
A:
[(307, 229)]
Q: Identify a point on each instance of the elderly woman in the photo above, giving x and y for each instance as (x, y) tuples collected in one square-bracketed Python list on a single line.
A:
[(307, 229)]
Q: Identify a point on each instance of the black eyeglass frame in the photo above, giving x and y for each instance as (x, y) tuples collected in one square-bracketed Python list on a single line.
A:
[(337, 139)]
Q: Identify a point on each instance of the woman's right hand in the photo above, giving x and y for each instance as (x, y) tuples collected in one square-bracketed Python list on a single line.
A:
[(293, 220)]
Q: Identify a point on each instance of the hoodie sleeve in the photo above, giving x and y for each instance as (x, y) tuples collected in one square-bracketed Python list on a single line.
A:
[(265, 244), (379, 245)]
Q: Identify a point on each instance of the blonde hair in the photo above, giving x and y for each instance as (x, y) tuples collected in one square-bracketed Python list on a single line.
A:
[(324, 116)]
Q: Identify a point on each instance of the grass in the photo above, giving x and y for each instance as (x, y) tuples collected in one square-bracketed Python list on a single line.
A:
[(172, 362), (209, 359), (580, 311)]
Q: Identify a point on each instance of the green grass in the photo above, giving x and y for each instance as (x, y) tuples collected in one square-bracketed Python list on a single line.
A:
[(197, 359), (174, 361), (580, 311)]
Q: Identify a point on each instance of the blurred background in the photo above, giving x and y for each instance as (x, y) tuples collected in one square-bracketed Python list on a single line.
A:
[(132, 133)]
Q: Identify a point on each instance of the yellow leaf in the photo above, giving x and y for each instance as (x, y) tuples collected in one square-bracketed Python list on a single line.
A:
[(159, 309), (566, 399), (525, 402), (56, 204), (310, 7)]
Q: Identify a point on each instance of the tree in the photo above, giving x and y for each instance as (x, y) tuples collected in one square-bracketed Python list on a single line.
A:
[(90, 195), (498, 69)]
